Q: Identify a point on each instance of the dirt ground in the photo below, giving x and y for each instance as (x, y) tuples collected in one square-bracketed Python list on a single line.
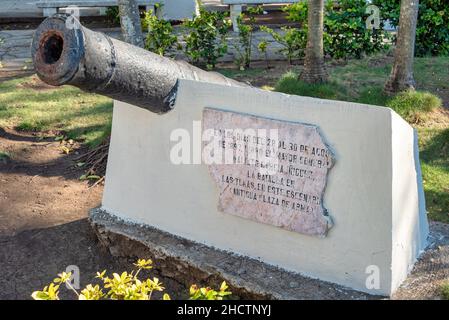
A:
[(431, 270), (43, 219)]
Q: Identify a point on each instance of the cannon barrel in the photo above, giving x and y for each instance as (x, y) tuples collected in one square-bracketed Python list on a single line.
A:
[(64, 52)]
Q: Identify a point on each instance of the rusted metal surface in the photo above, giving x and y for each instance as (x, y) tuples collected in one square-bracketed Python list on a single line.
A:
[(64, 52)]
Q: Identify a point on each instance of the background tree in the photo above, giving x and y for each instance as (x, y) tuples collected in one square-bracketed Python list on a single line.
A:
[(401, 77), (314, 68), (130, 22)]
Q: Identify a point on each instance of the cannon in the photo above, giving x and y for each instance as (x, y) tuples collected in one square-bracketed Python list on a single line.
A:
[(65, 52)]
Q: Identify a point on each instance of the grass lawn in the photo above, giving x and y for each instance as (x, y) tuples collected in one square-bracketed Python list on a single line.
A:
[(26, 104), (29, 105)]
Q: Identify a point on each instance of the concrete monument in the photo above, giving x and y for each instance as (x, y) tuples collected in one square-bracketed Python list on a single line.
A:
[(351, 166)]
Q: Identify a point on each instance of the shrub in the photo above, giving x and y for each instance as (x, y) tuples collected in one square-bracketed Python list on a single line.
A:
[(206, 41), (160, 37), (345, 33), (197, 293), (262, 47), (445, 290), (244, 45), (292, 40), (112, 14), (125, 286), (297, 12), (432, 31), (412, 105), (290, 84)]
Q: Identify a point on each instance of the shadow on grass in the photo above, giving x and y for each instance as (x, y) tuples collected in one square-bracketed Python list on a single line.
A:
[(81, 115), (436, 150), (437, 205), (435, 164), (98, 118)]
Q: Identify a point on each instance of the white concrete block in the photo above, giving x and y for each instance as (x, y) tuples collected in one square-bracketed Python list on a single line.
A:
[(374, 193), (179, 9), (48, 12)]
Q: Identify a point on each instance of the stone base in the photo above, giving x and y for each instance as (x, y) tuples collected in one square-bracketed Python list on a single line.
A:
[(190, 262)]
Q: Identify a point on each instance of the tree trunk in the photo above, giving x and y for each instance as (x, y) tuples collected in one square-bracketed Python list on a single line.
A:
[(401, 77), (130, 22), (314, 68)]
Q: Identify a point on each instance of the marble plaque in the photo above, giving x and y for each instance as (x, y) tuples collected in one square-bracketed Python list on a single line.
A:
[(269, 171)]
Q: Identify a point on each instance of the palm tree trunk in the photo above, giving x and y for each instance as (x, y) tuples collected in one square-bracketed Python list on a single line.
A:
[(130, 22), (314, 68), (401, 77)]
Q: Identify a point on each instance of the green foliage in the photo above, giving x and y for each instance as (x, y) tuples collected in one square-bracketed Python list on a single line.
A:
[(413, 105), (113, 15), (262, 47), (208, 293), (205, 41), (4, 156), (297, 12), (160, 37), (124, 286), (91, 293), (50, 292), (244, 46), (432, 31), (445, 290), (292, 40), (290, 84), (345, 33)]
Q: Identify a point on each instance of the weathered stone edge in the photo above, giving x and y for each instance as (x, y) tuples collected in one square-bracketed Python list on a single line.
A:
[(191, 262)]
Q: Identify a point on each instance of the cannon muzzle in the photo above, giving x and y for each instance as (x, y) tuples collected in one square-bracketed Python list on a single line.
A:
[(64, 52)]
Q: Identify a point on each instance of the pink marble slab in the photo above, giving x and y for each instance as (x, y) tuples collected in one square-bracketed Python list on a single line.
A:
[(269, 171)]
